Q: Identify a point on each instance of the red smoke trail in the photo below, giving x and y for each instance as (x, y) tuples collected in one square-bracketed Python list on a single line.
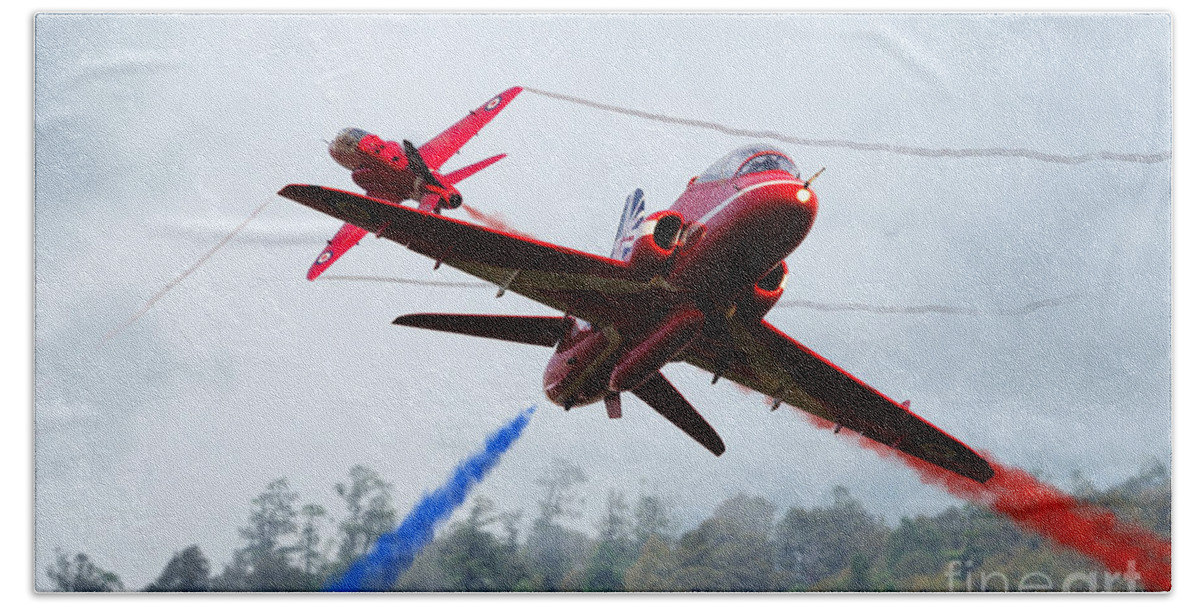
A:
[(1045, 510)]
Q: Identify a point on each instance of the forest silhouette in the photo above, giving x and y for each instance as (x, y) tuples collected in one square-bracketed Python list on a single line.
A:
[(639, 543)]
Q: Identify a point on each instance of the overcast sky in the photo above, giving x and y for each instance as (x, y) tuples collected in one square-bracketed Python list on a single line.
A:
[(156, 136)]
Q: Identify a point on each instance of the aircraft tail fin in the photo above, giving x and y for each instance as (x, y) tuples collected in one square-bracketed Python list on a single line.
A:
[(539, 331), (631, 220), (660, 394), (459, 175)]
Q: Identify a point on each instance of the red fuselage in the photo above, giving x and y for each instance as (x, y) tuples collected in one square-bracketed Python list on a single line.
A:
[(726, 260), (379, 167)]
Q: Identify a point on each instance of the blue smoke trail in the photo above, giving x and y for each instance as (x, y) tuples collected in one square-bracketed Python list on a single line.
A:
[(394, 552)]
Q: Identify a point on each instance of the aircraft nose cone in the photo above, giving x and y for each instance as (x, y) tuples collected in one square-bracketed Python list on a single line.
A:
[(746, 236), (807, 200), (351, 135), (797, 208), (344, 147), (782, 212)]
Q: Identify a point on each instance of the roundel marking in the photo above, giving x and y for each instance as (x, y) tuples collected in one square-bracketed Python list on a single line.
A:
[(491, 105), (324, 257)]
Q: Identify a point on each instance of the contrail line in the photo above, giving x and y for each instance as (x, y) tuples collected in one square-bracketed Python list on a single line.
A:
[(378, 279), (1066, 159), (918, 309), (932, 308), (162, 292)]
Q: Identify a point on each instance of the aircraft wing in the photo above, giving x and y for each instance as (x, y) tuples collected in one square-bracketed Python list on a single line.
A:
[(438, 150), (770, 362), (347, 236), (591, 287)]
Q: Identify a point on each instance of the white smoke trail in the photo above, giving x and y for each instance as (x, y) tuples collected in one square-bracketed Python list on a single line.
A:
[(177, 280), (916, 309), (1066, 159), (378, 279), (933, 308)]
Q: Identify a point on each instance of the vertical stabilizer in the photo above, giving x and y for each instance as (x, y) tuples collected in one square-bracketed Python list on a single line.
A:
[(631, 220)]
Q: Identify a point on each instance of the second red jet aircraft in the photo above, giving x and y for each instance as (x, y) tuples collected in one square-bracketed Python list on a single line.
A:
[(399, 172)]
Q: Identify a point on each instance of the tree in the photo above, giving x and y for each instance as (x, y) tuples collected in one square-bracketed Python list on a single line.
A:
[(614, 551), (470, 557), (552, 549), (274, 518), (264, 564), (369, 509), (188, 570), (510, 523), (558, 490), (730, 551), (474, 559), (654, 569), (80, 574), (235, 576), (814, 545), (860, 573), (650, 518), (1144, 498), (310, 538)]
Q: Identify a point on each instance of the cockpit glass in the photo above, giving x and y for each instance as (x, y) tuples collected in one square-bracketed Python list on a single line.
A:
[(767, 162), (729, 165)]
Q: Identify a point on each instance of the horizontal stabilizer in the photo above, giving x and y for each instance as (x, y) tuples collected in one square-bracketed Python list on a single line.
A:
[(459, 175), (539, 331), (660, 394)]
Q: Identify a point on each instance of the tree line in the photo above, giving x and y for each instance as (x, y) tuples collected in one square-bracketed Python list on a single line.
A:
[(746, 544)]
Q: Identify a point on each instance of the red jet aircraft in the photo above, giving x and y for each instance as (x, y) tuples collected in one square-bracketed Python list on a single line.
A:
[(691, 283), (395, 172)]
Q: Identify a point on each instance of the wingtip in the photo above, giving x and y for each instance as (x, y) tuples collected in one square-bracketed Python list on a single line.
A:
[(986, 475), (290, 189), (315, 271)]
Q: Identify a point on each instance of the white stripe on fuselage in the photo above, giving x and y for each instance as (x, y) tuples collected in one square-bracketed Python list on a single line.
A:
[(721, 207)]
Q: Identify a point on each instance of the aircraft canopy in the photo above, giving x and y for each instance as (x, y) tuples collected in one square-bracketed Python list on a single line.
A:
[(754, 158)]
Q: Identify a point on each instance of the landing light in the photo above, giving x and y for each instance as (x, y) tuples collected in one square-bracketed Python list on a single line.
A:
[(803, 195)]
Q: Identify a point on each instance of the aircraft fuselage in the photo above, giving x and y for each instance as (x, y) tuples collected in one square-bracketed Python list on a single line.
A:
[(379, 167), (735, 233)]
